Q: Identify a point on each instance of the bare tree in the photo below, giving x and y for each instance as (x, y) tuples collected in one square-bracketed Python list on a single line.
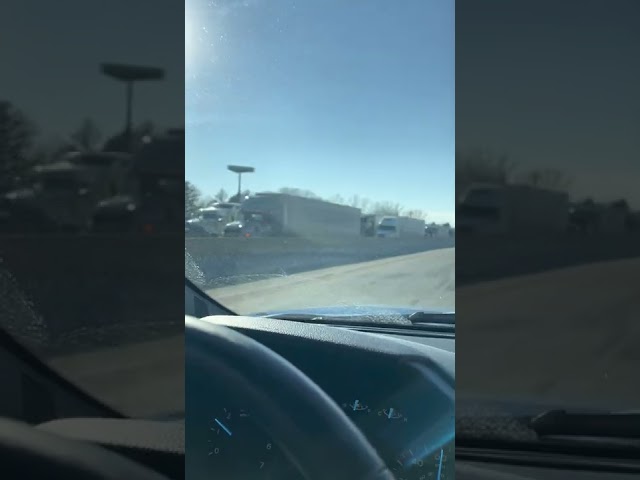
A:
[(17, 135), (87, 136), (481, 165), (339, 199), (222, 195), (420, 214), (120, 143), (357, 201), (354, 201), (192, 198), (551, 179), (365, 205), (238, 198), (298, 192), (387, 208)]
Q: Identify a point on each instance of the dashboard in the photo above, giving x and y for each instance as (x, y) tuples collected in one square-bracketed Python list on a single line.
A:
[(367, 375), (389, 387)]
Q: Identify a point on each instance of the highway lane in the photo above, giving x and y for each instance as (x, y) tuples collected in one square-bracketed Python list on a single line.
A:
[(568, 335), (423, 280)]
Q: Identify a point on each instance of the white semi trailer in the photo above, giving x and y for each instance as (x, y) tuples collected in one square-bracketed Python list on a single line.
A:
[(290, 215), (400, 227), (512, 209)]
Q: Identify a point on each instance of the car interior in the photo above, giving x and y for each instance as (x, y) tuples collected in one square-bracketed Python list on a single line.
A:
[(51, 429), (269, 398), (305, 400)]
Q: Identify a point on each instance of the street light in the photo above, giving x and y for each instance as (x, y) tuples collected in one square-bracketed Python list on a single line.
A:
[(240, 170), (130, 74)]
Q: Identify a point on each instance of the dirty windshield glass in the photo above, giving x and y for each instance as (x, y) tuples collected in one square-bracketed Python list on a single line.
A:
[(320, 153), (91, 195)]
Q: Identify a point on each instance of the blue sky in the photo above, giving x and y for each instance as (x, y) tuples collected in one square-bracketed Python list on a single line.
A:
[(348, 98)]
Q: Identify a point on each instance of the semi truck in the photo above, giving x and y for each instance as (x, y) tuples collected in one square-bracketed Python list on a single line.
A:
[(487, 209), (281, 214), (369, 224), (400, 227), (155, 204), (214, 219)]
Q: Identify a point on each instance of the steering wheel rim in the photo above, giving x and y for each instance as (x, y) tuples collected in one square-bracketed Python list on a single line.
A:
[(291, 407), (27, 452)]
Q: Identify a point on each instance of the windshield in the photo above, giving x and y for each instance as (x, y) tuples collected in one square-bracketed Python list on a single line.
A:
[(319, 119), (548, 268), (89, 279)]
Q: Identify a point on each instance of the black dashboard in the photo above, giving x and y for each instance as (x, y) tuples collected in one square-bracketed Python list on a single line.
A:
[(398, 391)]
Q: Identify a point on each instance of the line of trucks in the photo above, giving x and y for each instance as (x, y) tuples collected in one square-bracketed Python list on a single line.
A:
[(103, 191), (279, 214), (488, 209)]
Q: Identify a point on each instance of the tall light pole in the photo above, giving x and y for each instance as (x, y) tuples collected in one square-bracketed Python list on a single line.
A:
[(240, 170), (129, 74)]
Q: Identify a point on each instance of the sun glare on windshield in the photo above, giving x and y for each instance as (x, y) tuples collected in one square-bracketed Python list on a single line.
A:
[(305, 171)]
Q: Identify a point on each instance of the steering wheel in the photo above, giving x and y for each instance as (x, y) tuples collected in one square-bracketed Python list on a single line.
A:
[(26, 452), (311, 430)]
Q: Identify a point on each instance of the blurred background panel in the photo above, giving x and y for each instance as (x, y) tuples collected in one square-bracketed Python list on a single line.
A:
[(91, 195)]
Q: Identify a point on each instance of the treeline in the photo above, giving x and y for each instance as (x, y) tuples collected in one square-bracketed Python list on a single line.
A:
[(23, 144), (484, 166), (195, 199)]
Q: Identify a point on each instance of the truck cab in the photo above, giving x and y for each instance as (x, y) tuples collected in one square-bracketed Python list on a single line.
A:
[(66, 194), (387, 228), (482, 211), (513, 209), (212, 220), (153, 206)]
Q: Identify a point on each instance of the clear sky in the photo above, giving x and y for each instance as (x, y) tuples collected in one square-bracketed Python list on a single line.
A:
[(53, 73), (336, 97), (554, 84)]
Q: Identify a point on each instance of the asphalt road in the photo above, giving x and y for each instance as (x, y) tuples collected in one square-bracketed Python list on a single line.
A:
[(423, 280), (570, 335)]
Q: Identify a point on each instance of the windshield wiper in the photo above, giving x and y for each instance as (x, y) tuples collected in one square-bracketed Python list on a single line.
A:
[(563, 423)]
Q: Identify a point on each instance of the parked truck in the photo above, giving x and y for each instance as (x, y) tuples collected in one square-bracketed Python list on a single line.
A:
[(213, 220), (154, 205), (369, 224), (400, 227), (289, 215), (512, 209)]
